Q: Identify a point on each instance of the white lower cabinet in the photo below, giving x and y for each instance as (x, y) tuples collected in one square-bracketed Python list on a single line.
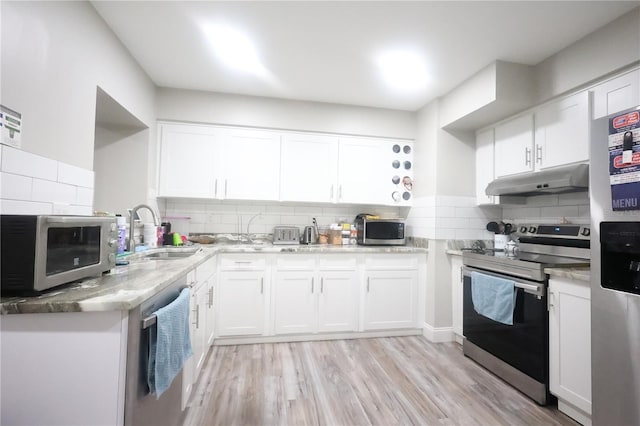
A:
[(456, 295), (240, 303), (308, 299), (570, 346), (390, 300), (294, 302)]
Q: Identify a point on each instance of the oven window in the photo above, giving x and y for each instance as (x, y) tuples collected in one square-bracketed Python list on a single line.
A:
[(523, 345), (385, 230), (72, 248)]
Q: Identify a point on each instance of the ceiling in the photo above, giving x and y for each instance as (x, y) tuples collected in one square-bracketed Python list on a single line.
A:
[(326, 51)]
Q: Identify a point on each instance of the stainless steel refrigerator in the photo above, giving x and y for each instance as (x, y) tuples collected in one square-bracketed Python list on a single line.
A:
[(615, 268)]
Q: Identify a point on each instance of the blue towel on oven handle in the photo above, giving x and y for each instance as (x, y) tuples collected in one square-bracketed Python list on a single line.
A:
[(493, 297), (169, 344)]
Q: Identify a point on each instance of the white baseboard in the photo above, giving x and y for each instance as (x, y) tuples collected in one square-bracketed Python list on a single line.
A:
[(222, 341), (438, 335)]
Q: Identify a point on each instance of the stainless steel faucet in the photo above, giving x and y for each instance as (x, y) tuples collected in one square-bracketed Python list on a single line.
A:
[(249, 239), (132, 242)]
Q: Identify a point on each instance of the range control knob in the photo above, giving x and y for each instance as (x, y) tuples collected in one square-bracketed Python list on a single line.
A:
[(523, 229), (586, 232), (532, 229)]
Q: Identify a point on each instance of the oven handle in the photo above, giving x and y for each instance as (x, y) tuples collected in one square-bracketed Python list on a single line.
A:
[(537, 289)]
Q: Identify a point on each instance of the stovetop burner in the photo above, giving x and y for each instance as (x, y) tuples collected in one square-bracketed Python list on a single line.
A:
[(541, 246)]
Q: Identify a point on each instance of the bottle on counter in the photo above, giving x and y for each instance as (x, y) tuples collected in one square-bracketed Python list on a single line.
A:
[(121, 223)]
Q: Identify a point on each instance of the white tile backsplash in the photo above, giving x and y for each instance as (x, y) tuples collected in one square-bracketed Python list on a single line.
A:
[(30, 185), (75, 175), (15, 187), (572, 207), (24, 163)]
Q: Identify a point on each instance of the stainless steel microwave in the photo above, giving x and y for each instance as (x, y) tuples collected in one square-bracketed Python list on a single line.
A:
[(41, 252), (380, 232)]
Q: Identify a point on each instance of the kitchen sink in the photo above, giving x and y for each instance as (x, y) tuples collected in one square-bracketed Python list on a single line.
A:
[(170, 254)]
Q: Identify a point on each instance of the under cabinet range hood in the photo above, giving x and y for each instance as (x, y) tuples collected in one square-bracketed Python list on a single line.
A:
[(571, 178)]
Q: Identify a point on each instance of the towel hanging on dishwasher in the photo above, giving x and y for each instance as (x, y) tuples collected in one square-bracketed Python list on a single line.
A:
[(169, 343)]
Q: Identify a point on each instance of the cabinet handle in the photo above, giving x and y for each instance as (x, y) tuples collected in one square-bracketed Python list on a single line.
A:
[(242, 261), (262, 285), (461, 275), (225, 188), (527, 156), (312, 284), (197, 311), (331, 196), (322, 285), (215, 189), (210, 296), (368, 278), (538, 154)]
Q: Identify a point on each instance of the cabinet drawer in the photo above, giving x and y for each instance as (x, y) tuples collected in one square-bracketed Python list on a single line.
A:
[(391, 262), (293, 262), (242, 263), (337, 263)]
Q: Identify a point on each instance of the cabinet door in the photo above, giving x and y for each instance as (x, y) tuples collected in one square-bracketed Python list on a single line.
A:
[(251, 165), (240, 303), (456, 293), (562, 132), (337, 303), (294, 302), (616, 94), (484, 165), (199, 337), (570, 342), (209, 326), (390, 300), (308, 168), (188, 160), (514, 146), (365, 171)]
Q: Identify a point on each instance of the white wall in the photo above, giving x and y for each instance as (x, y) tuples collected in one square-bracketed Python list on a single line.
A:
[(120, 168), (220, 108), (54, 55), (610, 48)]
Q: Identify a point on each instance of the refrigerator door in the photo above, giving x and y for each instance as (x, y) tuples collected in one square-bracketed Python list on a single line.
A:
[(615, 314)]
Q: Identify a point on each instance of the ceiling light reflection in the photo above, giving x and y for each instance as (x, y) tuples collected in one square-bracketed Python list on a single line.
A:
[(403, 70)]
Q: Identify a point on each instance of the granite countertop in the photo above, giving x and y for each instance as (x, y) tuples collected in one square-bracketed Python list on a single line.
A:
[(125, 287), (581, 274)]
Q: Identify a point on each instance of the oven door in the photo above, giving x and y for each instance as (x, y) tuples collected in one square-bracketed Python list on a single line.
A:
[(523, 345)]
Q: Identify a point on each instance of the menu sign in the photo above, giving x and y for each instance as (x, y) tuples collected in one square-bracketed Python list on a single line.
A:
[(624, 161)]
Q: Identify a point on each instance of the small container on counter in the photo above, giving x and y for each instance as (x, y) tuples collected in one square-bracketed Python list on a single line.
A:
[(335, 234), (121, 223), (323, 235)]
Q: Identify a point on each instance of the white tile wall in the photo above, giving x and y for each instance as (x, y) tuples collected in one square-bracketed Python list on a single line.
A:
[(449, 217), (32, 184), (213, 216), (574, 207)]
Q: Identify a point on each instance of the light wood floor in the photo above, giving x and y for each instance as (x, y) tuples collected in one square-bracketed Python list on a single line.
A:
[(385, 381)]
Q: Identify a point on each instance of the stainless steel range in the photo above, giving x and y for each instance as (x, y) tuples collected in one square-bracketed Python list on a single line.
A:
[(518, 350)]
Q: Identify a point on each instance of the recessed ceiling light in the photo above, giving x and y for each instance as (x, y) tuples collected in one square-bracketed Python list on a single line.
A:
[(233, 48), (403, 69)]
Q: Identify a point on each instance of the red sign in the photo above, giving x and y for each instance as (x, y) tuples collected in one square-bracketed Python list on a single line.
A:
[(626, 120), (635, 160)]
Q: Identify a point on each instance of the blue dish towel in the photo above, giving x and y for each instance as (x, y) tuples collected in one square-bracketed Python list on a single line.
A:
[(169, 344), (493, 297)]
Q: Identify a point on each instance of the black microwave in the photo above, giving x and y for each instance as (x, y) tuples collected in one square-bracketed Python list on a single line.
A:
[(41, 252), (380, 232)]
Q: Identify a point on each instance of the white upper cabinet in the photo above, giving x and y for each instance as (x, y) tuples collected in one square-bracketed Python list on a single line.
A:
[(372, 171), (616, 94), (308, 168), (562, 132), (250, 165), (484, 165), (514, 146), (188, 160), (266, 165)]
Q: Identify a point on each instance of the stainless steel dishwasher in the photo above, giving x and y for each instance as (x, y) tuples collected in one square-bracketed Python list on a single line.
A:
[(141, 407)]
